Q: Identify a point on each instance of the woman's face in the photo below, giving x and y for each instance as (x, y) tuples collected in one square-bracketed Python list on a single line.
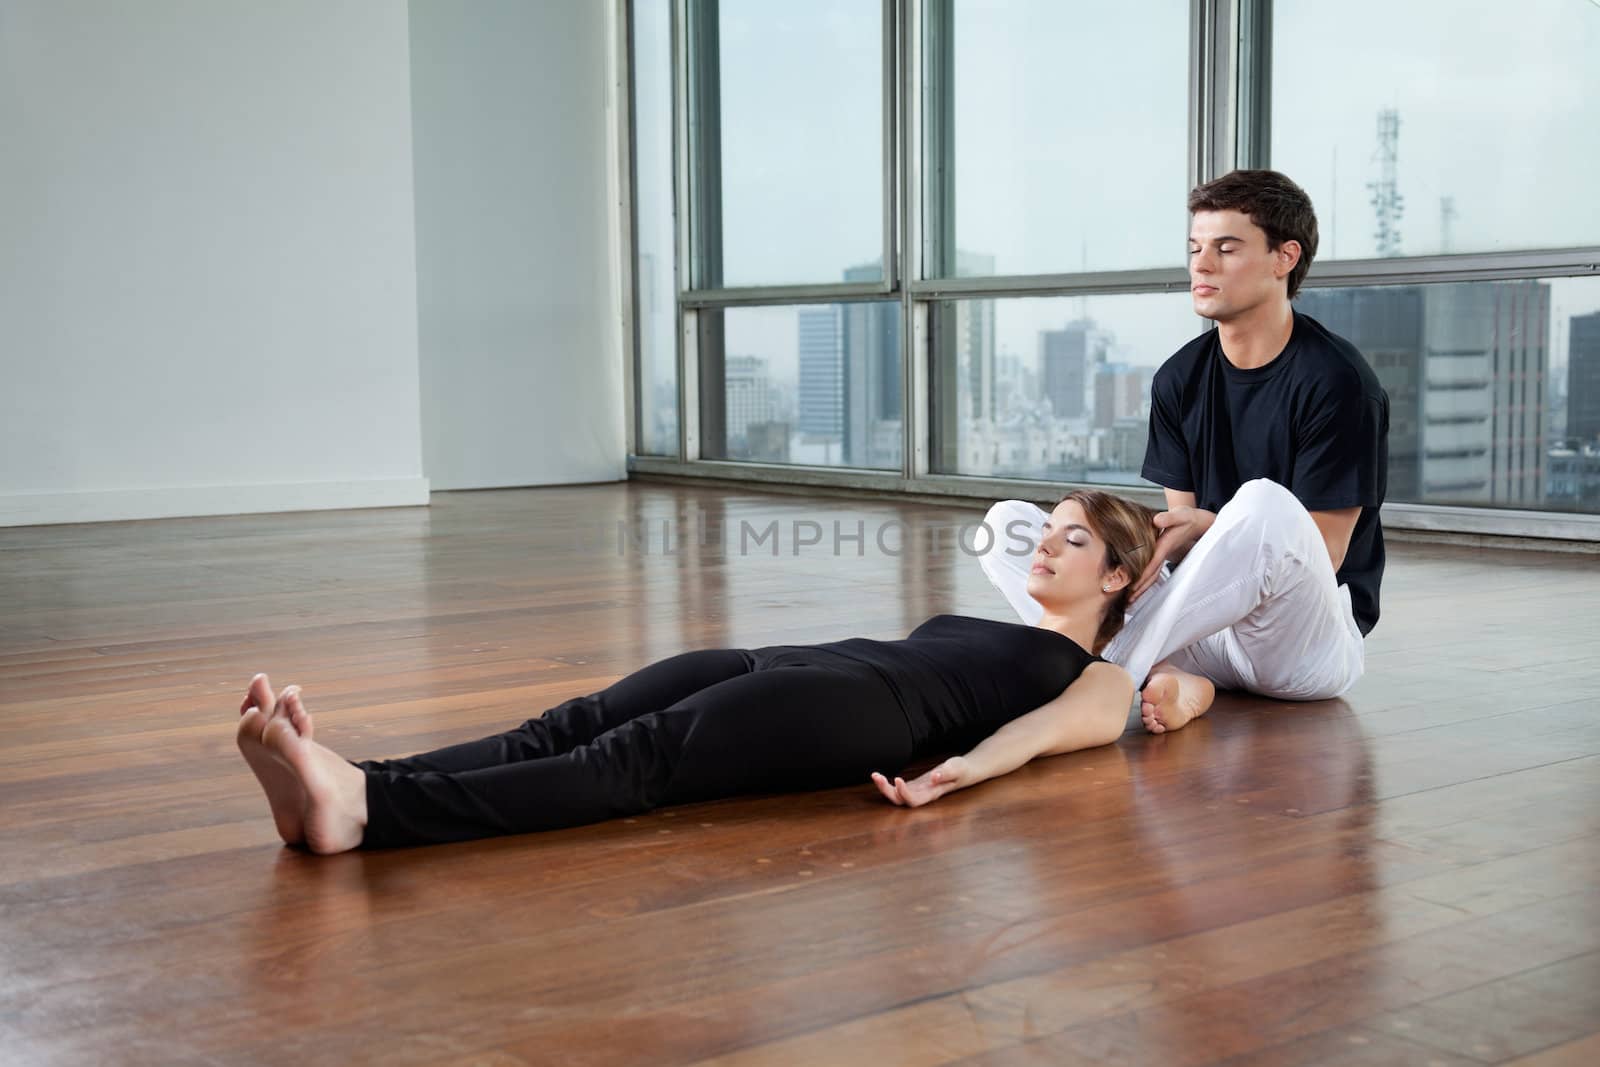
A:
[(1069, 564)]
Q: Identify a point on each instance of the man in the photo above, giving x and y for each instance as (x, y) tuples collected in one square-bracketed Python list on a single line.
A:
[(1270, 436)]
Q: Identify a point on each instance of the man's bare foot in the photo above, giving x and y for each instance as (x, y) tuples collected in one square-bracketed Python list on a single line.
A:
[(284, 794), (1171, 699), (317, 798)]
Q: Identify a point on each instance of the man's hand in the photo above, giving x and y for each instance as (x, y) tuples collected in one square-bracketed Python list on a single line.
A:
[(949, 775), (1179, 528)]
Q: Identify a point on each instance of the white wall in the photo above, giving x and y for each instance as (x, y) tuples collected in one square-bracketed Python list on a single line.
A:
[(520, 343), (207, 275)]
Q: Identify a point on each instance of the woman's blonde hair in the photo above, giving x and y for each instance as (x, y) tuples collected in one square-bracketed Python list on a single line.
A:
[(1130, 539)]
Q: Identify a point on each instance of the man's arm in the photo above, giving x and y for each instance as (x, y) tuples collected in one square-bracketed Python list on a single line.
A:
[(1183, 524), (1337, 528), (1092, 711)]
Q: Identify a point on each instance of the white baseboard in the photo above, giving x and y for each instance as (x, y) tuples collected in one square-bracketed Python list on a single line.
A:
[(114, 505)]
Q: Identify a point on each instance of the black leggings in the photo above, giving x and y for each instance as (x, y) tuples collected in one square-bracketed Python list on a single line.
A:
[(694, 727)]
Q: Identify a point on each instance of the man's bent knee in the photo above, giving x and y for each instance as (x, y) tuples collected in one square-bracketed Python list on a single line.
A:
[(1265, 496), (1264, 503)]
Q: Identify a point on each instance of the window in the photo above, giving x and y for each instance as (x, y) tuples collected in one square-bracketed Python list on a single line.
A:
[(1054, 388), (787, 141), (1061, 130), (817, 385), (1492, 384), (1421, 128), (977, 208)]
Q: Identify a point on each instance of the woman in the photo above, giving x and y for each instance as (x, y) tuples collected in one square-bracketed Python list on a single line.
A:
[(719, 723)]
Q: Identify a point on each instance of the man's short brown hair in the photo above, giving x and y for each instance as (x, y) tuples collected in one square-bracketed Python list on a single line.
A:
[(1273, 202)]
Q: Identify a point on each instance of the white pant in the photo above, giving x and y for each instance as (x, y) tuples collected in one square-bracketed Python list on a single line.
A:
[(1254, 605)]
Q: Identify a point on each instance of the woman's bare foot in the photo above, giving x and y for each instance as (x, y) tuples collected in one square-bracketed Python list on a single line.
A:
[(317, 798), (1172, 699), (284, 794)]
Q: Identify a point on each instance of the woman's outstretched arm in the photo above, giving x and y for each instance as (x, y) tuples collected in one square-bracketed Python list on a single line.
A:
[(1092, 711)]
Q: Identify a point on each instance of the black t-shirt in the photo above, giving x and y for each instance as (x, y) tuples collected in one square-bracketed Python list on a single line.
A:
[(1314, 420), (958, 679)]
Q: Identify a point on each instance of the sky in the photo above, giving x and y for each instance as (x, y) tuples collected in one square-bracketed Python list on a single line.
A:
[(1071, 132)]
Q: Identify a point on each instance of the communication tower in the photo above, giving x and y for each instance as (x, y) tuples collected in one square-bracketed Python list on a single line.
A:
[(1386, 200)]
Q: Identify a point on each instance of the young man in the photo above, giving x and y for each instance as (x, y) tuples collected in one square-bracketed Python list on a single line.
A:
[(1270, 436)]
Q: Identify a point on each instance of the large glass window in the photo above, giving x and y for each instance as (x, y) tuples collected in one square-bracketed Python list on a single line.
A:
[(656, 309), (1051, 387), (815, 384), (788, 141), (1494, 386), (1044, 218), (1443, 126), (1057, 136)]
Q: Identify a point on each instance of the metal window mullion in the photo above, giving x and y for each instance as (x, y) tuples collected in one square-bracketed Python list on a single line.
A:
[(689, 386), (915, 413), (891, 95), (1159, 280), (703, 141), (1200, 90), (939, 256), (772, 295), (627, 210), (683, 224), (1223, 71), (703, 100), (688, 398), (1252, 84), (1470, 266)]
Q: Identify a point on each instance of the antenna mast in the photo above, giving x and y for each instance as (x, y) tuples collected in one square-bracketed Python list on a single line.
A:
[(1386, 200)]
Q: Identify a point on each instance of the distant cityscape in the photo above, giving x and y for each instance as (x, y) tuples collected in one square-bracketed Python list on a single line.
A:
[(1476, 416), (1069, 413)]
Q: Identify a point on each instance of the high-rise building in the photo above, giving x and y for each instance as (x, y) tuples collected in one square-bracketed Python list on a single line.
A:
[(964, 387), (821, 351), (1065, 357), (1119, 393), (850, 390), (1583, 378), (974, 344), (1483, 412), (1464, 365), (748, 399), (870, 347), (1385, 323)]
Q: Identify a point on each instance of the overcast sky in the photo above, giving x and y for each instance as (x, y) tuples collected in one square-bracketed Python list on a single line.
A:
[(1071, 132)]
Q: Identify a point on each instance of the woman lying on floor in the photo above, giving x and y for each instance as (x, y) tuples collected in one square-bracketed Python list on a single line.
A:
[(705, 725)]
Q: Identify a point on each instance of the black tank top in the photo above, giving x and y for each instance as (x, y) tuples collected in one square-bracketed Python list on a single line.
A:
[(957, 679)]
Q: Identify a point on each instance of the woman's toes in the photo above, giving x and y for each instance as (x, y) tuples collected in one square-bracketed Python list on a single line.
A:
[(280, 708), (251, 724), (258, 694), (299, 717)]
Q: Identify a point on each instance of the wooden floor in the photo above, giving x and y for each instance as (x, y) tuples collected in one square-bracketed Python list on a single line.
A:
[(1407, 876)]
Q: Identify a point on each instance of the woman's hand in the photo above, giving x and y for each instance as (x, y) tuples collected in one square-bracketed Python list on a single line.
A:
[(953, 773)]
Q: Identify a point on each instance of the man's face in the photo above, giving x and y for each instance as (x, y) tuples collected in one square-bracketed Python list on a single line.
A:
[(1231, 269)]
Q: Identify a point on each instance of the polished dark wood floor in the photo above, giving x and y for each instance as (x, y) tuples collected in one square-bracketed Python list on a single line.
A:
[(1407, 876)]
